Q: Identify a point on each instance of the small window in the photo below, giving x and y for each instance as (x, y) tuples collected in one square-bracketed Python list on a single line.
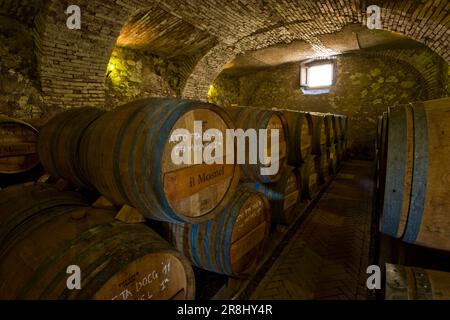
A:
[(317, 76)]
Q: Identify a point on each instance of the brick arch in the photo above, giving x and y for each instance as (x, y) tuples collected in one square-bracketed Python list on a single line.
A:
[(416, 24), (72, 63)]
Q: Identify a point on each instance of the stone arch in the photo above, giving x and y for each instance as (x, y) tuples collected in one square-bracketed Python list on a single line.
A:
[(422, 24)]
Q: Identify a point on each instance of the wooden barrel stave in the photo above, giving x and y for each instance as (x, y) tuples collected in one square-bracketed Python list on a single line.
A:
[(59, 142)]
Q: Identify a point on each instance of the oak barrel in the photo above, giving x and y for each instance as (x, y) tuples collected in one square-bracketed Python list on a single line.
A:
[(127, 155), (417, 185), (18, 146), (255, 118), (412, 283), (231, 243), (59, 142), (283, 195), (117, 260), (299, 136)]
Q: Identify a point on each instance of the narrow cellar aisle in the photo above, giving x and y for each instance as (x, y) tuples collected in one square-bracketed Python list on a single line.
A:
[(328, 256)]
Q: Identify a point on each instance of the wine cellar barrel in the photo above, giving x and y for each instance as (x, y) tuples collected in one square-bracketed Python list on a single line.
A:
[(253, 118), (59, 142), (319, 133), (283, 195), (309, 172), (411, 283), (299, 136), (417, 185), (233, 242), (127, 155), (117, 260), (18, 146)]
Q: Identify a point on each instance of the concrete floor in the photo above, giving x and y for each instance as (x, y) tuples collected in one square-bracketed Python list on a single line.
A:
[(328, 256)]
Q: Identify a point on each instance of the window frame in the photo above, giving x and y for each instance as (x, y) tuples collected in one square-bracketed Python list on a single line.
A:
[(304, 67)]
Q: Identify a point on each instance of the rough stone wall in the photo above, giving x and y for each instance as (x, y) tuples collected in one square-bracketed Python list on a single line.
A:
[(365, 87), (20, 96), (134, 75)]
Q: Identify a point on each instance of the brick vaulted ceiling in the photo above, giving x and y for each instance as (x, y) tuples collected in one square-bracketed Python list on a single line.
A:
[(219, 29), (191, 27), (165, 34)]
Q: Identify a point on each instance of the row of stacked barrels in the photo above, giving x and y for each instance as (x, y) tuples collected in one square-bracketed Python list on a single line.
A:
[(312, 146), (217, 215), (413, 180)]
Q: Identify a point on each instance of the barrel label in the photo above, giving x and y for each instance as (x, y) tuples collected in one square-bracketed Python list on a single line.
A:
[(251, 214), (150, 277), (185, 182), (204, 177), (141, 287), (198, 189)]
